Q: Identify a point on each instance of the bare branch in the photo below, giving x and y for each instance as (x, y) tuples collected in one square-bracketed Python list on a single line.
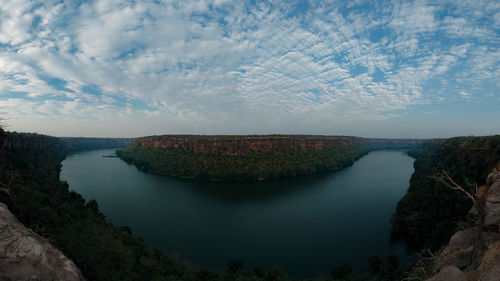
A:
[(444, 177), (424, 268)]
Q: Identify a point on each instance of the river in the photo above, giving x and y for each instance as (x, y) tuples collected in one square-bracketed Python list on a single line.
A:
[(303, 225)]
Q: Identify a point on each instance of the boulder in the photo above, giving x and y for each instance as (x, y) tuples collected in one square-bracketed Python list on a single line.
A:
[(493, 274), (492, 218), (24, 255), (449, 273), (460, 241), (493, 194), (463, 249), (475, 250), (493, 177)]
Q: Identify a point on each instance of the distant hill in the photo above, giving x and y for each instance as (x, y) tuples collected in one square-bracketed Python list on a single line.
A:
[(250, 157), (74, 144), (67, 144), (30, 187)]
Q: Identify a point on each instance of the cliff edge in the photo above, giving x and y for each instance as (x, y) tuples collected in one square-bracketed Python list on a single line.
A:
[(474, 253), (250, 157), (24, 255), (235, 145)]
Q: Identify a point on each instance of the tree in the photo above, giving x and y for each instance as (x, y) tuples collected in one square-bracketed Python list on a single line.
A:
[(342, 270), (444, 177), (234, 266)]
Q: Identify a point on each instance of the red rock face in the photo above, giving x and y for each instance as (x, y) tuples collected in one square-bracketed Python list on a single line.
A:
[(242, 145)]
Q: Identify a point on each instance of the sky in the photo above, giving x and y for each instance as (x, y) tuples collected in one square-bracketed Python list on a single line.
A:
[(418, 69)]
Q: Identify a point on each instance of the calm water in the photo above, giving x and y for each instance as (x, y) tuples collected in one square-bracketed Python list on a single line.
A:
[(304, 225)]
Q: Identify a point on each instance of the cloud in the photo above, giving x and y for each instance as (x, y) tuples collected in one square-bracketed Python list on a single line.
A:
[(416, 17), (465, 95), (240, 65)]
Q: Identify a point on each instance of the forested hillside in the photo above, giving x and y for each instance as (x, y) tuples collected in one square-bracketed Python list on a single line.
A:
[(250, 157), (74, 144), (30, 186), (429, 213), (256, 165)]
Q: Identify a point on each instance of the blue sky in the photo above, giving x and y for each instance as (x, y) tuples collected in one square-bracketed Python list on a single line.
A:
[(366, 68)]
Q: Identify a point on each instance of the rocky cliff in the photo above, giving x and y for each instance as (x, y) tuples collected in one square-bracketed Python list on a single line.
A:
[(427, 216), (234, 145), (251, 157), (474, 253), (24, 255)]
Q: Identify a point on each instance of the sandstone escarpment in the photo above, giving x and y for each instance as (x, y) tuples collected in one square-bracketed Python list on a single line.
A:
[(240, 145), (24, 255), (244, 144), (474, 253)]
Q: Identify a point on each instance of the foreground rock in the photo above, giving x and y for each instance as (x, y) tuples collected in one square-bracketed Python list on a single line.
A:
[(24, 255), (475, 252), (449, 273)]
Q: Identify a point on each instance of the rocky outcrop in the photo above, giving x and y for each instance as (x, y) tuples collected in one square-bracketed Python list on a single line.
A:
[(449, 273), (24, 255), (244, 144), (475, 251), (240, 145)]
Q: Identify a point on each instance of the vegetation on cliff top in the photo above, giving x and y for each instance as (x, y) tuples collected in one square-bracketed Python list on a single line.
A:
[(74, 144), (278, 160), (255, 165), (30, 186), (428, 214)]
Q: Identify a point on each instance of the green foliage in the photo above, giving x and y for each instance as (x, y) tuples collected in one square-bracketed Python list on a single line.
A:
[(342, 270), (385, 268), (428, 214), (30, 168), (235, 266), (81, 144), (256, 165)]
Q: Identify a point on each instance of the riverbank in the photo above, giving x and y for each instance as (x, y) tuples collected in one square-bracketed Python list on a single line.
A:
[(250, 158), (272, 223)]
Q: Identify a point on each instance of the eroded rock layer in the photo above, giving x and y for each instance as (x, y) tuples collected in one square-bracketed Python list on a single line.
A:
[(475, 252), (24, 255), (245, 144)]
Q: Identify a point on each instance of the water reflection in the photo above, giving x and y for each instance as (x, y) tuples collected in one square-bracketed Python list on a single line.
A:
[(304, 224)]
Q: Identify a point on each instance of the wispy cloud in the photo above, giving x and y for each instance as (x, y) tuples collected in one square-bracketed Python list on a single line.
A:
[(239, 66), (465, 95)]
